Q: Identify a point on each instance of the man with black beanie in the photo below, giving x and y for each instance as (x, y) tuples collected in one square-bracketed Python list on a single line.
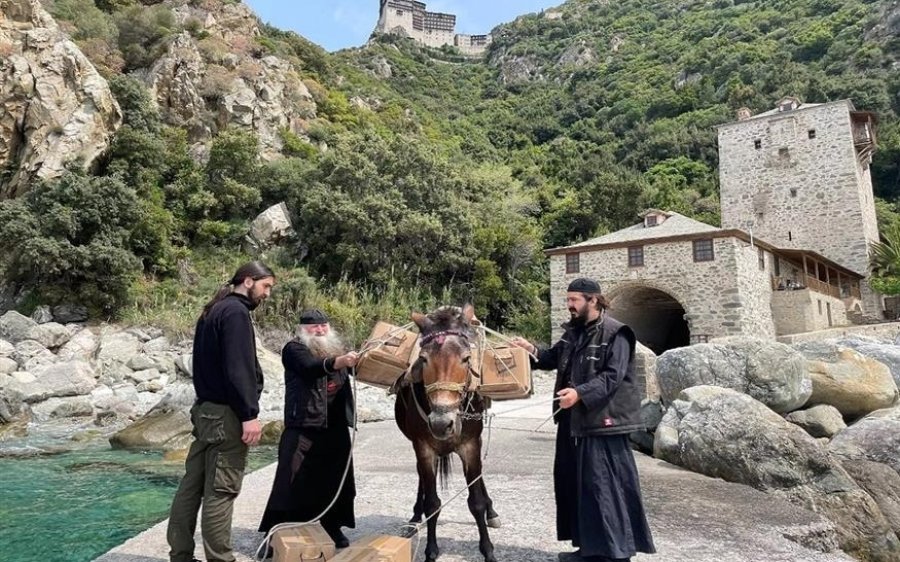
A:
[(598, 495)]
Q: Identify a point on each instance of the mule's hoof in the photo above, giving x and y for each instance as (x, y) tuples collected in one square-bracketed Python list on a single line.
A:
[(408, 532), (494, 523)]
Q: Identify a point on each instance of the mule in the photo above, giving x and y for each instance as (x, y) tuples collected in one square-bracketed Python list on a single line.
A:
[(440, 413)]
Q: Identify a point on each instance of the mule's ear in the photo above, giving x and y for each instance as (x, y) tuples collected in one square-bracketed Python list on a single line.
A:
[(414, 374), (468, 313), (420, 320)]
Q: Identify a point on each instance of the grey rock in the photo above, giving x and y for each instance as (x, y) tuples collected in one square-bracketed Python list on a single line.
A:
[(155, 385), (83, 345), (272, 225), (8, 365), (882, 483), (10, 402), (875, 437), (726, 434), (144, 376), (120, 347), (66, 313), (185, 364), (645, 369), (42, 315), (62, 379), (6, 349), (30, 354), (55, 108), (160, 429), (50, 334), (157, 345), (14, 327), (818, 421), (113, 373), (770, 372), (74, 407), (141, 363)]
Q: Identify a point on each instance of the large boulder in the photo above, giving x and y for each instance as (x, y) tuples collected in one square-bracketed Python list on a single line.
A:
[(50, 334), (118, 347), (726, 434), (770, 372), (31, 355), (15, 327), (876, 438), (645, 370), (6, 349), (271, 225), (71, 378), (818, 421), (67, 313), (886, 353), (851, 382), (81, 346), (160, 429), (882, 483), (71, 407), (55, 108)]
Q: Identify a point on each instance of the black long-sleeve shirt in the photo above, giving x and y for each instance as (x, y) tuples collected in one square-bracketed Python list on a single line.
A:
[(226, 370)]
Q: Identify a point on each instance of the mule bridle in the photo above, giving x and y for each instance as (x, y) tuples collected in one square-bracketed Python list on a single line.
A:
[(461, 388)]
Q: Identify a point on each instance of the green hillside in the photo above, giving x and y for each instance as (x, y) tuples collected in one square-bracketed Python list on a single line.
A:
[(429, 176)]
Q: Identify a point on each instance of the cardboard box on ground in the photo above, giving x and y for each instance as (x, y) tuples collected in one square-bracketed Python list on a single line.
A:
[(304, 543), (377, 548), (504, 371)]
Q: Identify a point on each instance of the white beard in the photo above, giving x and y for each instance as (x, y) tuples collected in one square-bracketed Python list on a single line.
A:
[(329, 345)]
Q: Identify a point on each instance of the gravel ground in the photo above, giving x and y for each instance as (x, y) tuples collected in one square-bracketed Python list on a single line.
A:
[(693, 517)]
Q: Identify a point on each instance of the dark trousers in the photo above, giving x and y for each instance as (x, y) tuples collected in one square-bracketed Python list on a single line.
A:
[(214, 471)]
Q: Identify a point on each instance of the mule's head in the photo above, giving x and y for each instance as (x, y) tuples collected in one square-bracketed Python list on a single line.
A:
[(445, 338)]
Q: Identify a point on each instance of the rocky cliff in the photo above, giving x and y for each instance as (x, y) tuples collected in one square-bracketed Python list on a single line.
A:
[(55, 109)]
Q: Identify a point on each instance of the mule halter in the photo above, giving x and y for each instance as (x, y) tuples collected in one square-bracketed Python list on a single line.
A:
[(439, 338)]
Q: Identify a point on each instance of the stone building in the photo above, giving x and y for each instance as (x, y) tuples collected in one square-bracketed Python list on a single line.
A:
[(410, 18), (798, 177), (792, 255)]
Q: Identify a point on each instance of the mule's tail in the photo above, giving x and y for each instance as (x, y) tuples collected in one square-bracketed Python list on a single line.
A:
[(442, 469)]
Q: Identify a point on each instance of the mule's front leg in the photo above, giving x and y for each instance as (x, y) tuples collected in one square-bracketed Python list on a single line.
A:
[(425, 464), (470, 453)]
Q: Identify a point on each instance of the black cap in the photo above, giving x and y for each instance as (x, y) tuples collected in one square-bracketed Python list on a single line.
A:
[(313, 316), (584, 285)]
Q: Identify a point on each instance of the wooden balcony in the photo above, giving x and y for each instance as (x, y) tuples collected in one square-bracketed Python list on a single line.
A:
[(804, 281)]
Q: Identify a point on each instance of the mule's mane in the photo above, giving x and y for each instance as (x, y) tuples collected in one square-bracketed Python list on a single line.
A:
[(448, 318)]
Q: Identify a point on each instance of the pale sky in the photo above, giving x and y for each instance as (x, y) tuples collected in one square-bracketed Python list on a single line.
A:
[(337, 24)]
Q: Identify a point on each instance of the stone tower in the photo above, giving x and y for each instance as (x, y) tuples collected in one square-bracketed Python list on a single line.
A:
[(798, 177)]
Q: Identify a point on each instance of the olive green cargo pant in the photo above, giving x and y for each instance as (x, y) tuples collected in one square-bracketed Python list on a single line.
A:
[(214, 470)]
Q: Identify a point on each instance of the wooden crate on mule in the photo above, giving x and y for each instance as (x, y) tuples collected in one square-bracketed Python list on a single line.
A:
[(505, 373), (391, 353), (302, 544), (377, 548)]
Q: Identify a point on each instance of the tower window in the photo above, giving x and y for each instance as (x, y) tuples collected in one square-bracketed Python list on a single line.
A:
[(636, 256), (651, 220), (703, 250), (573, 264), (793, 192), (789, 236), (811, 133), (783, 152), (762, 259), (757, 144)]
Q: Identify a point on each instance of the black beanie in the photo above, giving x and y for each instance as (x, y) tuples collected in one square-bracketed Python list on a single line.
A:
[(313, 316), (584, 285)]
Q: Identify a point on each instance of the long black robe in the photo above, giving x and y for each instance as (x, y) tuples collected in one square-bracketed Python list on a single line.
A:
[(311, 462), (597, 489)]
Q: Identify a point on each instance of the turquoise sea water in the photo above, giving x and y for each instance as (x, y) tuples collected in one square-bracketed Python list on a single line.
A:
[(74, 506)]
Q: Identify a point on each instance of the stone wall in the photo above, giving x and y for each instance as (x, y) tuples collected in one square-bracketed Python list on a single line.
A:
[(795, 191), (805, 310), (720, 297), (887, 330)]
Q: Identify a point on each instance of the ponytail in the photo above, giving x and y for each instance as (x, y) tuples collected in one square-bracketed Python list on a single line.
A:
[(253, 270)]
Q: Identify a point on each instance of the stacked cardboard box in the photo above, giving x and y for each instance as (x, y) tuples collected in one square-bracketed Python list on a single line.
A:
[(302, 544)]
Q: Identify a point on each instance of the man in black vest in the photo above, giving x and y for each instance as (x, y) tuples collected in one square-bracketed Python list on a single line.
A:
[(598, 495)]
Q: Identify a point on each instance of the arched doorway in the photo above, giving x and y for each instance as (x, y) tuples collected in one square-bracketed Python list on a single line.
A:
[(655, 316)]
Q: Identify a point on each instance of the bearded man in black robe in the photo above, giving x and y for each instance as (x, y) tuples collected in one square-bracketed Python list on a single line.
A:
[(315, 445), (598, 493)]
